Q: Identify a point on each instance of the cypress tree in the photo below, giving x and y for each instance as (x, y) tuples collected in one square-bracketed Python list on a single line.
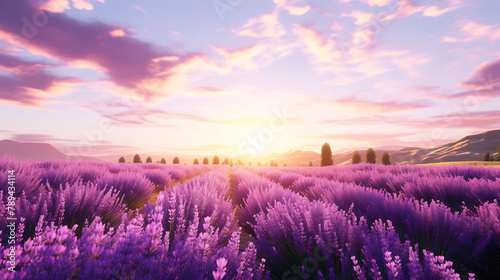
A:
[(386, 159), (486, 156), (371, 157), (326, 155), (356, 158)]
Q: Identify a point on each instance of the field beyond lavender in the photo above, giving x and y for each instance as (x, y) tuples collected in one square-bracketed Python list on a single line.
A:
[(81, 220)]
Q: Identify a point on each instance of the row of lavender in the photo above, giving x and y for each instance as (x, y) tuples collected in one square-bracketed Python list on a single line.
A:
[(405, 196), (77, 220), (305, 223)]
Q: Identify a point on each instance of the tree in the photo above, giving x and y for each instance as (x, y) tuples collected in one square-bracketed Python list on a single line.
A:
[(196, 161), (121, 160), (371, 157), (310, 163), (149, 160), (137, 159), (356, 158), (176, 160), (231, 163), (486, 156), (216, 160), (326, 155), (284, 164), (226, 161), (259, 163), (163, 161), (205, 161), (249, 163), (386, 159), (240, 162)]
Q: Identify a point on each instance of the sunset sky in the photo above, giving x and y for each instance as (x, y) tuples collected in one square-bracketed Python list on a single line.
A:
[(98, 77)]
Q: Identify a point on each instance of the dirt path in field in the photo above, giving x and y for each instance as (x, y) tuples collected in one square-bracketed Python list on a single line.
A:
[(153, 198), (245, 237)]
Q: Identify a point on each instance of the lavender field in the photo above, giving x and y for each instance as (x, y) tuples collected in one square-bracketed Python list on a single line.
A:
[(79, 220)]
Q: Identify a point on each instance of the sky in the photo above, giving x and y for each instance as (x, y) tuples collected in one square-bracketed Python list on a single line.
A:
[(235, 77)]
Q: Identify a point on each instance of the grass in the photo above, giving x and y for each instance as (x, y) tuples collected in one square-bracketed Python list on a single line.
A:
[(472, 163)]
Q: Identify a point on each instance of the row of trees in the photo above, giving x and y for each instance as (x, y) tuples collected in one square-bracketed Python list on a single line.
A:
[(489, 157), (206, 161), (370, 157), (326, 158)]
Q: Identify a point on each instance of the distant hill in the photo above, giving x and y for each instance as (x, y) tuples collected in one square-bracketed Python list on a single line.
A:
[(469, 148), (35, 151)]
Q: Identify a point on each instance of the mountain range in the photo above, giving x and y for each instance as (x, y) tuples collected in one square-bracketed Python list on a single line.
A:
[(468, 148)]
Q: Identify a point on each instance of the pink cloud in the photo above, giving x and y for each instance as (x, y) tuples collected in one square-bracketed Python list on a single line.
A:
[(487, 75), (28, 83), (323, 51), (279, 3), (298, 11), (379, 107), (476, 31), (434, 11), (249, 58), (82, 5), (355, 61), (38, 138), (55, 6), (360, 17), (96, 150), (267, 25), (124, 59), (132, 113), (139, 8), (379, 3), (484, 81), (484, 120), (405, 8)]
